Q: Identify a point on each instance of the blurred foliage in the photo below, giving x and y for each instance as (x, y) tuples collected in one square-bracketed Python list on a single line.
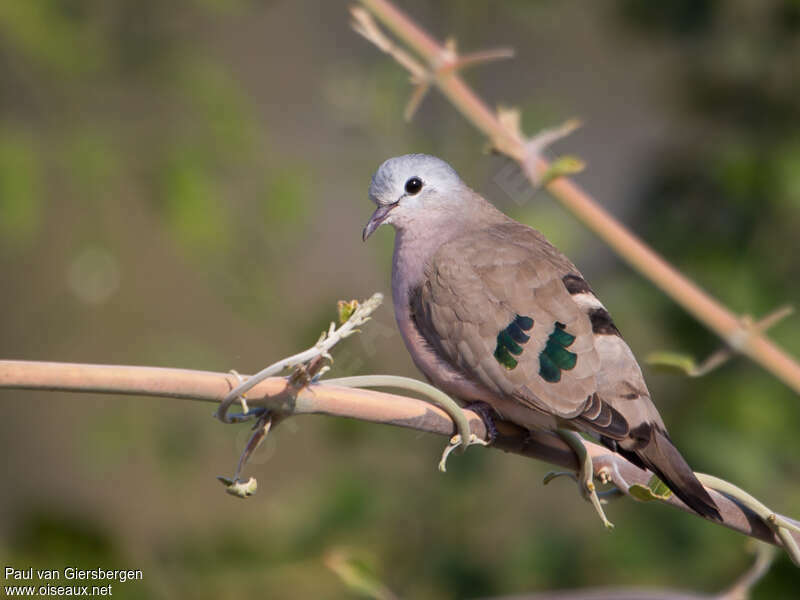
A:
[(723, 206), (358, 574), (183, 183), (20, 196), (47, 538), (679, 17)]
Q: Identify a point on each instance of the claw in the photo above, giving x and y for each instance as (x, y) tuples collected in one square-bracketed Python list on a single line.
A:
[(598, 506), (585, 474), (455, 442)]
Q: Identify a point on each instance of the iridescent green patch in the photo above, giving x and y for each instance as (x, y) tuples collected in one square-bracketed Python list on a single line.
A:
[(555, 357), (509, 341)]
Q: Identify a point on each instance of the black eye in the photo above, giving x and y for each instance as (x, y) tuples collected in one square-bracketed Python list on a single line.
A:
[(413, 185)]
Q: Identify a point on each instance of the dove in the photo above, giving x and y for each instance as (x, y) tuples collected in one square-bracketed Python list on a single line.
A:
[(492, 313)]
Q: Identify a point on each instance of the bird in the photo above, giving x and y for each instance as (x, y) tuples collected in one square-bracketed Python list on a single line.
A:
[(491, 312)]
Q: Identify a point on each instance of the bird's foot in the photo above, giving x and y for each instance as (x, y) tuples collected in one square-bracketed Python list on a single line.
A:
[(456, 442), (589, 491), (585, 475), (486, 413)]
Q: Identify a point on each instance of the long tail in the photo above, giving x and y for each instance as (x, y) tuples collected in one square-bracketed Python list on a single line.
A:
[(661, 457)]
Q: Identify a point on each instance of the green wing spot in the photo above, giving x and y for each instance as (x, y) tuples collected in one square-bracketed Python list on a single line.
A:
[(505, 340), (517, 334), (562, 337), (548, 369), (504, 358), (562, 357), (555, 357), (524, 322), (509, 341)]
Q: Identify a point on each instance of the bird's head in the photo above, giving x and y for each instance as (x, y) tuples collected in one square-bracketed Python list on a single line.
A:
[(415, 188)]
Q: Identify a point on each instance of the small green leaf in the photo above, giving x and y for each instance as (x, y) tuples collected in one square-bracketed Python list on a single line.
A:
[(346, 310), (21, 205), (563, 165), (193, 206), (659, 488), (654, 490), (357, 575), (672, 362), (287, 196)]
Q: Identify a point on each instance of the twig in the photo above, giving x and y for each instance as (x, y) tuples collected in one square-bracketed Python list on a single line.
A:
[(327, 340), (641, 257), (308, 366), (462, 440), (278, 396), (446, 63), (687, 365), (781, 527)]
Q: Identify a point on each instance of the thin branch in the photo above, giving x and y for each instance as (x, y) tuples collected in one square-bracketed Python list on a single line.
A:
[(641, 257), (462, 440), (280, 397), (360, 315), (687, 365)]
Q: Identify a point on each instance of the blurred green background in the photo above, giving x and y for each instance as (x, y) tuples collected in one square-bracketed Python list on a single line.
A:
[(184, 184)]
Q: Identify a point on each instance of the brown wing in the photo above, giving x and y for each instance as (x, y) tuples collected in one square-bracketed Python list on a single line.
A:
[(495, 306)]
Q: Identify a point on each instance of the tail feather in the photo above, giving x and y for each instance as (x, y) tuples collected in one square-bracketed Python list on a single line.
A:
[(661, 457)]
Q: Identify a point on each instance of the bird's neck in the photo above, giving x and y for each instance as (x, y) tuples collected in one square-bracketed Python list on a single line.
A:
[(412, 252)]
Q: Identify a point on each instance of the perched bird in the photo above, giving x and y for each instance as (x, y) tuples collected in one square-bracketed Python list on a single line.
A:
[(491, 312)]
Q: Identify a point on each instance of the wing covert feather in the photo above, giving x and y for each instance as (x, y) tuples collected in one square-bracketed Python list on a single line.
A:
[(477, 285)]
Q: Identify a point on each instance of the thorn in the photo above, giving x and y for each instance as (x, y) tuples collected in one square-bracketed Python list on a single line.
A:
[(447, 63), (476, 58), (508, 144), (415, 100), (740, 339), (564, 165)]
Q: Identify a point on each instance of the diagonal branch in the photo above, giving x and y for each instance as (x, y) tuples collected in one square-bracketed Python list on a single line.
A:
[(710, 312), (280, 397)]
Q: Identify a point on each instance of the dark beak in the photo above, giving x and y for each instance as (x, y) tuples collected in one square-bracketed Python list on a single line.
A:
[(376, 220)]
